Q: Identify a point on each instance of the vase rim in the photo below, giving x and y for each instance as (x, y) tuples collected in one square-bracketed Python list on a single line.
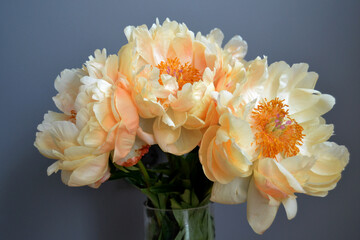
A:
[(177, 209)]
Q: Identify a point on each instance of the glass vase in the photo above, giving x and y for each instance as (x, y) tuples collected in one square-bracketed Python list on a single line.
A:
[(179, 224)]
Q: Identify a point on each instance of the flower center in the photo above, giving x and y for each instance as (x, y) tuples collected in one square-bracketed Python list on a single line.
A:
[(184, 73), (275, 131)]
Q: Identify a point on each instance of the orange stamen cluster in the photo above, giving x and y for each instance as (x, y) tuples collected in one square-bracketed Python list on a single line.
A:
[(275, 131), (184, 73)]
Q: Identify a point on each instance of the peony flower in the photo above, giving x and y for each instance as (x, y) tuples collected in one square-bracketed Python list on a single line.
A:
[(63, 136), (99, 117), (271, 142), (172, 73)]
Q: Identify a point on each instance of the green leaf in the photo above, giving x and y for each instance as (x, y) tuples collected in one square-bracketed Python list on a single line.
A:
[(186, 196), (174, 204), (151, 196), (165, 188), (194, 199)]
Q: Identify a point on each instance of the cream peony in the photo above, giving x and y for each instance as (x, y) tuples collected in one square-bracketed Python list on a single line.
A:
[(70, 139), (271, 142), (172, 73), (98, 117)]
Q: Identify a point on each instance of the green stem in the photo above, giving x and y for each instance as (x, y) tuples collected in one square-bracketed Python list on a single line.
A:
[(144, 173), (147, 182)]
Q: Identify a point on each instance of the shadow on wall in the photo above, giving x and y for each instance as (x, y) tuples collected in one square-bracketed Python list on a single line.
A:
[(35, 206)]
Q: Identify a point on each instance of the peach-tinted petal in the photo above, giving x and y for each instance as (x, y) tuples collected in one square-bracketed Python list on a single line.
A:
[(183, 48), (126, 110), (110, 71), (204, 149), (124, 142), (199, 60)]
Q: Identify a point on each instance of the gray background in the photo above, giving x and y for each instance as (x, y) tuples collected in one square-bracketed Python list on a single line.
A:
[(38, 39)]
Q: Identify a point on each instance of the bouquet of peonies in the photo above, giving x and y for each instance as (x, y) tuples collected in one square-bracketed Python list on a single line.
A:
[(233, 131)]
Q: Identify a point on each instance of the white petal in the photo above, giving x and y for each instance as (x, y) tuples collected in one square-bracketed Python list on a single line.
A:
[(216, 35), (272, 84), (260, 214), (290, 206), (67, 84), (64, 131), (325, 104), (53, 168), (331, 158), (237, 47), (234, 192)]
